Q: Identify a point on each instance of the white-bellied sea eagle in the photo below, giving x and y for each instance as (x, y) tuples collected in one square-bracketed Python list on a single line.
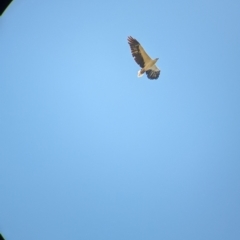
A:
[(143, 60)]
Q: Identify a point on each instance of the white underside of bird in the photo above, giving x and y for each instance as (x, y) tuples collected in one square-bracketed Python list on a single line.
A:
[(149, 66)]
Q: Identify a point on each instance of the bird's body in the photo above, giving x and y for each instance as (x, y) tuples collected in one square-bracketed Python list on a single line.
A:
[(143, 60)]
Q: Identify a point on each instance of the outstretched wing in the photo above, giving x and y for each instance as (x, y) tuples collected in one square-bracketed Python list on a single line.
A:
[(153, 73), (3, 6), (139, 54), (1, 237)]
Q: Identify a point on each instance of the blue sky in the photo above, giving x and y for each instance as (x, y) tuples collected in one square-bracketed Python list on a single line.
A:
[(90, 151)]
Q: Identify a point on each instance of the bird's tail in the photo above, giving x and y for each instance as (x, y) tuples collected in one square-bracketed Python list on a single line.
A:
[(140, 73)]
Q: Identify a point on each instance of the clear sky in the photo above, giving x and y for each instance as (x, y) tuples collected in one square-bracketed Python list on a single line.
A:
[(89, 151)]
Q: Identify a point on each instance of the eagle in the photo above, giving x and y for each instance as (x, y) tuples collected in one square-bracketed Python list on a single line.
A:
[(143, 60)]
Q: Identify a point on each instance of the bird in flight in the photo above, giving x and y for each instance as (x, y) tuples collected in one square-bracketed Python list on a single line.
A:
[(143, 60)]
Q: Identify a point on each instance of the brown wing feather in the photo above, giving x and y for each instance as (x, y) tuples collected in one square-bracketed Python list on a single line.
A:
[(152, 75), (139, 54)]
